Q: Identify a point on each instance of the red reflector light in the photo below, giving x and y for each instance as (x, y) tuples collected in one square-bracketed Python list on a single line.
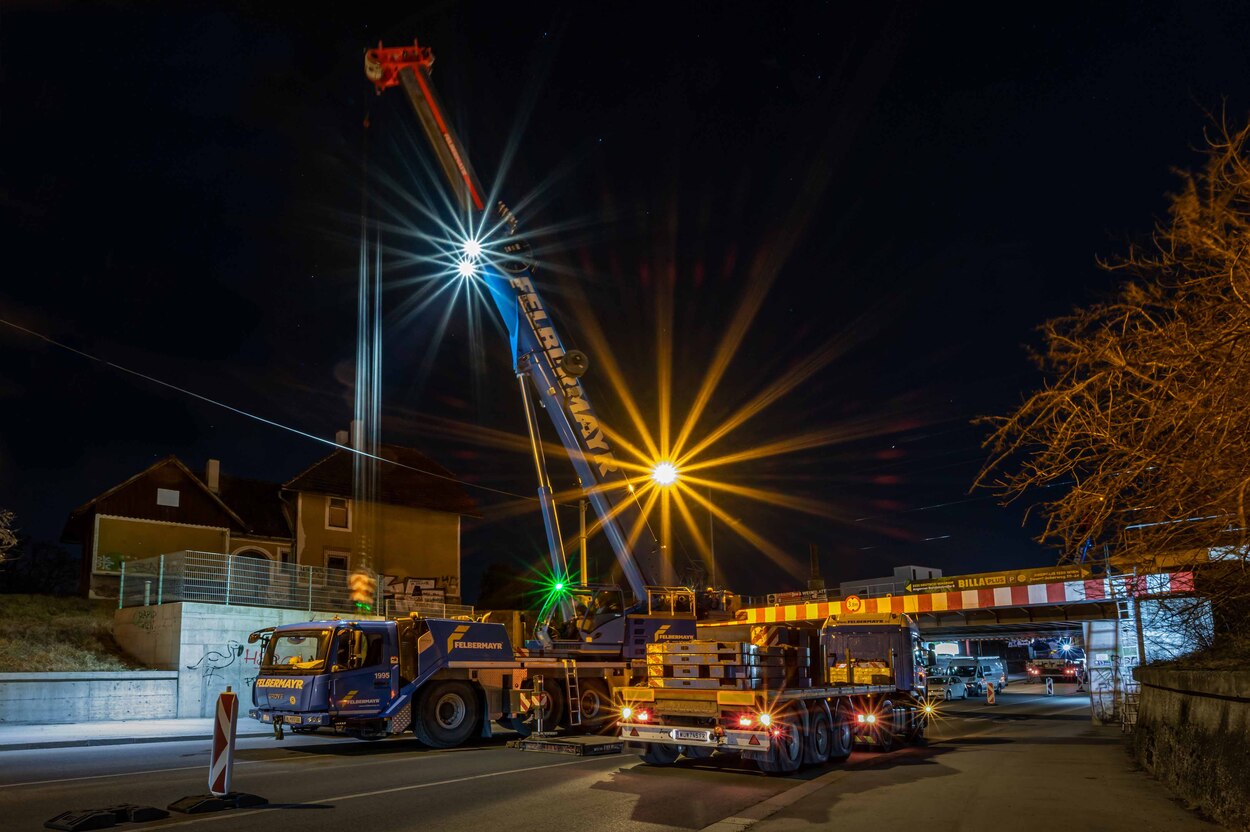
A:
[(753, 741), (633, 732)]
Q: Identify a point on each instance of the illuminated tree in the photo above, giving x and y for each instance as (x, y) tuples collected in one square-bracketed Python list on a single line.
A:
[(1138, 446)]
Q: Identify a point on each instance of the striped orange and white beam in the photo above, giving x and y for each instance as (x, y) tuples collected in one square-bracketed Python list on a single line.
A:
[(1032, 595)]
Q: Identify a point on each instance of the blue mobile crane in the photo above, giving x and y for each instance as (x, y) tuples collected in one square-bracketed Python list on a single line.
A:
[(445, 679)]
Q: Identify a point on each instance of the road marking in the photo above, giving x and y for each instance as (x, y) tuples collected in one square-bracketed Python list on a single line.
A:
[(293, 760), (116, 774), (392, 790)]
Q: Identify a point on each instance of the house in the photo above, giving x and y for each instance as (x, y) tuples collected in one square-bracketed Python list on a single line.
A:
[(410, 526), (892, 585)]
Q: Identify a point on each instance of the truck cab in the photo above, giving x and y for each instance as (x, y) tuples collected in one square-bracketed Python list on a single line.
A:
[(330, 673)]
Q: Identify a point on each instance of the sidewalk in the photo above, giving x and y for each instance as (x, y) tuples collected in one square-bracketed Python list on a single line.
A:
[(25, 737)]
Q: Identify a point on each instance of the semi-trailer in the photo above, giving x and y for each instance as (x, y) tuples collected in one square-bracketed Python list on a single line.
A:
[(783, 695)]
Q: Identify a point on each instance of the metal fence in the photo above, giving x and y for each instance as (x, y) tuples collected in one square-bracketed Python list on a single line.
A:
[(428, 609), (215, 578)]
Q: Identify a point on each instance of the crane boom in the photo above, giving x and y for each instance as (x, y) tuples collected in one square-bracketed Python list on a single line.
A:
[(538, 353)]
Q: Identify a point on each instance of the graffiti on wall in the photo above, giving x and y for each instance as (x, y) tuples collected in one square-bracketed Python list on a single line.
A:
[(145, 619), (404, 592), (215, 662)]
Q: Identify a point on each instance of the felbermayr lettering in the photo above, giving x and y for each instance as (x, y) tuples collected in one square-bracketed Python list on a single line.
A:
[(480, 645), (280, 683)]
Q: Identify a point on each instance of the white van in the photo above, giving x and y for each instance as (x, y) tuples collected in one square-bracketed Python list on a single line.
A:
[(976, 671)]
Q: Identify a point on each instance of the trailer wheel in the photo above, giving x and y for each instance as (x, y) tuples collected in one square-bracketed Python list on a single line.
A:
[(819, 740), (658, 754), (884, 729), (785, 753), (843, 739), (445, 715)]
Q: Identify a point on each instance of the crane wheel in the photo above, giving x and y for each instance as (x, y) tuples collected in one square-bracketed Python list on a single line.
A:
[(446, 714), (554, 707), (596, 704)]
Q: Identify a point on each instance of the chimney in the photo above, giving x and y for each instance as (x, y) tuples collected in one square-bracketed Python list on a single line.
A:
[(212, 475), (340, 437), (814, 581)]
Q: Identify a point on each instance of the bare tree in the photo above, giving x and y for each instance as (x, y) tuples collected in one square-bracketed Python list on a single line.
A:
[(1143, 423), (8, 535)]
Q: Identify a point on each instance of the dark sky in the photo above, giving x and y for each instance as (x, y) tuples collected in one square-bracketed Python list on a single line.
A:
[(925, 183)]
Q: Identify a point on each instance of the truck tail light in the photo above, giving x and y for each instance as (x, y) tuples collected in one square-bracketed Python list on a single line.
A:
[(642, 716), (745, 721)]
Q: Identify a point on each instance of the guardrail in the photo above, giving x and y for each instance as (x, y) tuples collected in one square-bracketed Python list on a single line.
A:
[(216, 578)]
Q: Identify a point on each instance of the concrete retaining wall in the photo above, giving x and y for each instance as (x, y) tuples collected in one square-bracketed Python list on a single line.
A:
[(205, 643), (1193, 733), (196, 650), (83, 697)]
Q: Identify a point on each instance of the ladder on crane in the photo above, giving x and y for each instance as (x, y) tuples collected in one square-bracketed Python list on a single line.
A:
[(575, 694)]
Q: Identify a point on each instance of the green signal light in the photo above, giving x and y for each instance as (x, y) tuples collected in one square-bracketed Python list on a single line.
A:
[(559, 586)]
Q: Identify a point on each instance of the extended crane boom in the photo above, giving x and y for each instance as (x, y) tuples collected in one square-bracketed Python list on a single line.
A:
[(537, 351)]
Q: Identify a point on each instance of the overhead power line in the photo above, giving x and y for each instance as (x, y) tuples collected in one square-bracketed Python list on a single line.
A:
[(105, 362)]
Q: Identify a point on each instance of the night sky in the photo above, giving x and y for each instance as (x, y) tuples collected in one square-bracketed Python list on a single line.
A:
[(925, 184)]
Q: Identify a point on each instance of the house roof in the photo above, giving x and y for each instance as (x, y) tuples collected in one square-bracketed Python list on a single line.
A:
[(407, 478), (259, 503), (72, 532)]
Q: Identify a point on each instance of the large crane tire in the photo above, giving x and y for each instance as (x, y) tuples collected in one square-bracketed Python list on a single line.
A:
[(446, 714)]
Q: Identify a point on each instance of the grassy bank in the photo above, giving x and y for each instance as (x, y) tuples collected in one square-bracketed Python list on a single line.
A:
[(49, 633)]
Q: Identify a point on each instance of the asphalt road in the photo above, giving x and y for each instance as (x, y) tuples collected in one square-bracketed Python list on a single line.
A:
[(335, 783)]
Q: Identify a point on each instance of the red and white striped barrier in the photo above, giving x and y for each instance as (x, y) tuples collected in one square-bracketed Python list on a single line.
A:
[(221, 766), (1032, 595)]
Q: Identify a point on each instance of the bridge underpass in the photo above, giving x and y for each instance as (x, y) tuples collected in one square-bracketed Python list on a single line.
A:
[(1106, 611)]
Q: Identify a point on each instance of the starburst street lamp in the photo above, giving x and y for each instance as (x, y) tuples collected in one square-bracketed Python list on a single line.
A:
[(466, 269), (664, 474), (472, 249)]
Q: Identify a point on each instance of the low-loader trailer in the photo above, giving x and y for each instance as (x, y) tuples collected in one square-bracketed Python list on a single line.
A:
[(783, 695)]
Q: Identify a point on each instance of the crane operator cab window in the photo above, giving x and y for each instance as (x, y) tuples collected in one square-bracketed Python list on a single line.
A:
[(604, 606), (355, 648)]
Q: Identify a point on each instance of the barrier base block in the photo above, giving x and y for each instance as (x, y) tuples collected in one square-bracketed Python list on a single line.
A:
[(199, 803), (82, 819)]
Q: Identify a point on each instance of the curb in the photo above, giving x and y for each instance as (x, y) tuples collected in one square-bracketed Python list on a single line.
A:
[(85, 743)]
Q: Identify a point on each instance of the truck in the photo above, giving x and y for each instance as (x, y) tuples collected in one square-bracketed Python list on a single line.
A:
[(783, 695), (1063, 670)]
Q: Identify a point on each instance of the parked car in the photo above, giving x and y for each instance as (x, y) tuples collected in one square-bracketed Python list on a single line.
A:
[(979, 671), (946, 687)]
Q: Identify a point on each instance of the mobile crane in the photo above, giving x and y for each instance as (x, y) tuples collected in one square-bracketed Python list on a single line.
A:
[(449, 679)]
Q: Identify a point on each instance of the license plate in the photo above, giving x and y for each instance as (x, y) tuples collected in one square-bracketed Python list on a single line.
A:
[(700, 736), (292, 720)]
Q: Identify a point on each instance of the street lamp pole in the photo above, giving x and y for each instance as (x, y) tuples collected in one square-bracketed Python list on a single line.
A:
[(711, 539)]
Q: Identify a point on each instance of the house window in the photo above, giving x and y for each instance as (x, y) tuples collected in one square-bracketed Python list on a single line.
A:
[(338, 513), (168, 497), (338, 560)]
